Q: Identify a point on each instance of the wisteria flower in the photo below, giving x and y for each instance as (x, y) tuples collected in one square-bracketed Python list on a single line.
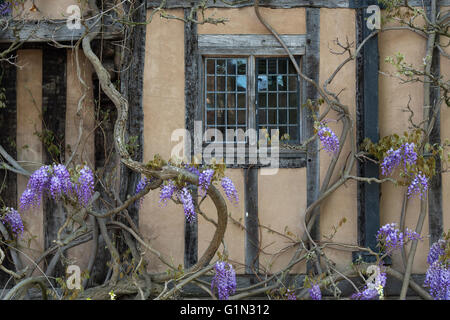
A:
[(38, 183), (290, 294), (141, 186), (373, 289), (418, 186), (230, 190), (85, 187), (391, 161), (224, 280), (315, 293), (166, 193), (409, 155), (12, 217), (328, 138), (60, 182), (188, 204), (437, 279), (392, 238), (436, 250), (204, 180)]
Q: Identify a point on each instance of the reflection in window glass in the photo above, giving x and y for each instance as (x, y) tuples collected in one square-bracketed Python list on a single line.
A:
[(278, 97), (225, 94)]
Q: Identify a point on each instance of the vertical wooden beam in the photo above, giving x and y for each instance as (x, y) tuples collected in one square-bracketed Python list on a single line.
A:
[(132, 84), (29, 146), (53, 133), (367, 67), (8, 125), (435, 216), (191, 91), (311, 68), (251, 220)]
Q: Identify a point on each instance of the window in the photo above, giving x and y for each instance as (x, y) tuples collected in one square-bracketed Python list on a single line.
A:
[(248, 82), (278, 97), (227, 91), (226, 94)]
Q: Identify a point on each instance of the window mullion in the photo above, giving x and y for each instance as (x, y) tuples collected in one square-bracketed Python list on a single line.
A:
[(251, 92)]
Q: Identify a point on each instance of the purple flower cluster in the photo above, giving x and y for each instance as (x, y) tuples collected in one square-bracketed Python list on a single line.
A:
[(192, 169), (314, 292), (85, 186), (205, 179), (56, 181), (372, 290), (230, 190), (391, 161), (418, 186), (141, 186), (437, 279), (328, 138), (12, 217), (5, 8), (393, 158), (224, 280), (60, 182), (392, 238), (38, 183), (409, 155), (436, 250), (188, 204), (167, 191), (290, 294)]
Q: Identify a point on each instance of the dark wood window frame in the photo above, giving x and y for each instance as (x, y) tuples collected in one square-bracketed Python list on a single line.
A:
[(252, 47)]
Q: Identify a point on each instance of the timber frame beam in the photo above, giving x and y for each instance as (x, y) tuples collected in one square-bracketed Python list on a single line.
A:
[(54, 30), (279, 4)]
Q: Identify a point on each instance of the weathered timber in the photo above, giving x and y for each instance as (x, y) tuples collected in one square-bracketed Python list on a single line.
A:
[(8, 125), (435, 213), (311, 65), (191, 94), (249, 44), (53, 135), (277, 4), (54, 30), (367, 127), (251, 221)]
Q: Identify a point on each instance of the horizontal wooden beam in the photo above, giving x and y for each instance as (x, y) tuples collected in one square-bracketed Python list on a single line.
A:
[(173, 4), (249, 44), (53, 30)]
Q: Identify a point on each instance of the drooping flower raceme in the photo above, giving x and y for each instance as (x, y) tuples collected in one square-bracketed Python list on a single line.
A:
[(12, 217), (5, 8), (60, 182), (437, 277), (224, 280), (392, 238), (141, 186), (85, 186), (204, 180), (38, 183), (328, 138), (436, 250), (188, 204), (418, 186), (167, 191), (315, 293), (372, 290), (391, 161), (409, 155), (230, 190), (393, 158), (290, 294)]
